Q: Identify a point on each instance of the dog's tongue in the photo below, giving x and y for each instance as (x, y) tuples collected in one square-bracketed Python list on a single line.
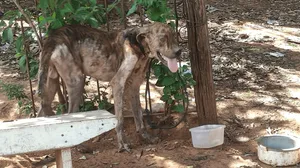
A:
[(172, 65)]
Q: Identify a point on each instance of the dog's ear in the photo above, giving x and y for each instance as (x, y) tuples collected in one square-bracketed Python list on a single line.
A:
[(140, 38), (137, 40)]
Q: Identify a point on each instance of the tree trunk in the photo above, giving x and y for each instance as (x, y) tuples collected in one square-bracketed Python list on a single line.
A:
[(201, 61)]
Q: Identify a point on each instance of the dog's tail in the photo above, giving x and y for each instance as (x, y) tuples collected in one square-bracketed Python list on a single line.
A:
[(43, 71)]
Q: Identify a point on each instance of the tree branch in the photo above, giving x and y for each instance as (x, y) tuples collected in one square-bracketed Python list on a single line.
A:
[(30, 23)]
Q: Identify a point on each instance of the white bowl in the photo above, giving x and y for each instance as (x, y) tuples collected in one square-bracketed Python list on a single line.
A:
[(207, 136), (278, 150)]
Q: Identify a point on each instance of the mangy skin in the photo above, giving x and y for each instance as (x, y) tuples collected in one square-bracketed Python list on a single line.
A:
[(122, 58)]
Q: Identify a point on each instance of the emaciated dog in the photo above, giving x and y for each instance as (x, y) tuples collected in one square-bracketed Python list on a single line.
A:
[(121, 58)]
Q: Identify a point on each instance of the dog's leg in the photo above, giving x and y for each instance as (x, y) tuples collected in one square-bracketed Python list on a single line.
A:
[(71, 74), (47, 97), (74, 81), (138, 116), (61, 99), (75, 91), (118, 86)]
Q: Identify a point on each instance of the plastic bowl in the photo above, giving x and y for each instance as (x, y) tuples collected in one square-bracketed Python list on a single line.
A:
[(278, 150), (207, 136)]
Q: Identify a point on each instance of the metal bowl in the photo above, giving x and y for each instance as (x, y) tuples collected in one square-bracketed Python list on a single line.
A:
[(278, 150)]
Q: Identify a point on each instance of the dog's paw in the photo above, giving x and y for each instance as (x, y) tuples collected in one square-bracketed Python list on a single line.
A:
[(124, 147)]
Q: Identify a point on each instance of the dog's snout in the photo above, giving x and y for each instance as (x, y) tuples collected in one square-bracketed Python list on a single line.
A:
[(178, 53)]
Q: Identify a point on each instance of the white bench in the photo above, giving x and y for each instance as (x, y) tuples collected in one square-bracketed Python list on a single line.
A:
[(58, 133)]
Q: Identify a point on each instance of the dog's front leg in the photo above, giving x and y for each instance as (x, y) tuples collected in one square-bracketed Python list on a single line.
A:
[(118, 86), (138, 116)]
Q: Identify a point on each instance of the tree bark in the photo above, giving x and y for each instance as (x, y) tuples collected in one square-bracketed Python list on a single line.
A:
[(201, 61)]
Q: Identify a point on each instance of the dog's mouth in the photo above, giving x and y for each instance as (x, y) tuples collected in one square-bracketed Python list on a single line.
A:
[(171, 63)]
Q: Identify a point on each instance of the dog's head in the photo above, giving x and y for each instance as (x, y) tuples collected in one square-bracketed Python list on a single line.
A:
[(158, 41)]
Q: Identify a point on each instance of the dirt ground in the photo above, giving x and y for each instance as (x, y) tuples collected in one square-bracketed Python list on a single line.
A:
[(256, 63)]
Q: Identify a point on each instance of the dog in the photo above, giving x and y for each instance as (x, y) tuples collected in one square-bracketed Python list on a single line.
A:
[(121, 58)]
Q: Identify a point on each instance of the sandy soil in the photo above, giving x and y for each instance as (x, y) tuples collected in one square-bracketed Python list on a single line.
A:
[(257, 79)]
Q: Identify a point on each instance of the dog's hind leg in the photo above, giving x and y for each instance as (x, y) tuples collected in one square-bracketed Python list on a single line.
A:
[(61, 99), (74, 81), (71, 74), (48, 95), (75, 91)]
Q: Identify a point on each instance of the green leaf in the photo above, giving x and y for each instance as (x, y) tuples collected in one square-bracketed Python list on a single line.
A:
[(52, 4), (60, 108), (46, 20), (34, 67), (75, 4), (93, 22), (56, 24), (179, 96), (19, 44), (59, 3), (2, 23), (8, 35), (41, 18), (132, 9), (168, 80), (193, 83), (43, 4), (172, 24), (159, 81), (82, 14), (18, 55), (188, 75), (67, 9), (167, 90), (20, 103), (19, 14), (178, 108), (184, 68), (157, 70), (170, 101), (101, 105), (112, 6), (22, 63), (11, 21), (154, 15), (10, 14), (93, 2), (165, 98)]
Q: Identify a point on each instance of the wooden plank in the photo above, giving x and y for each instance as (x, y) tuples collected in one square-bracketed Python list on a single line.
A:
[(63, 158), (64, 131)]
